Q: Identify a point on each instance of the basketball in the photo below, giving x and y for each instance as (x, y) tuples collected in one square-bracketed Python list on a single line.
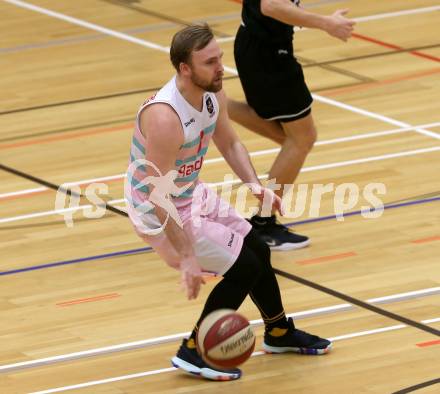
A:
[(225, 339)]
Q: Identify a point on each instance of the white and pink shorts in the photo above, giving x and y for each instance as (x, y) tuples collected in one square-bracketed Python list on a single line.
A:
[(215, 229)]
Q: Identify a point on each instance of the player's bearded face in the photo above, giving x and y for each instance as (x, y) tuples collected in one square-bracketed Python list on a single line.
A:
[(212, 84)]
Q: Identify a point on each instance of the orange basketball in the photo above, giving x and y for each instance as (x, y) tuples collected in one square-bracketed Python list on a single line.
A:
[(225, 339)]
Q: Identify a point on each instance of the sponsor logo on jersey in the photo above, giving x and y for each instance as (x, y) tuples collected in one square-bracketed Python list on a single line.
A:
[(210, 106), (231, 240), (188, 169), (192, 120)]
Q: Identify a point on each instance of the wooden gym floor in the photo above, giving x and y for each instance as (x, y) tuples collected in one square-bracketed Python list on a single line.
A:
[(90, 309)]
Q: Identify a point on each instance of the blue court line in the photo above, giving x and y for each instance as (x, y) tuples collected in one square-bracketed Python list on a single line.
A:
[(147, 249)]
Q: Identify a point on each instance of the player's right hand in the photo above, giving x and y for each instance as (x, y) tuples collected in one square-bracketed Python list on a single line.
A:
[(192, 278), (340, 27)]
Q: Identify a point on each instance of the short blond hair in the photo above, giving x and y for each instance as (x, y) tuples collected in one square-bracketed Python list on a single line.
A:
[(191, 38)]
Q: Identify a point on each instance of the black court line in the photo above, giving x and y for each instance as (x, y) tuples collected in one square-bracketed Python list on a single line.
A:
[(358, 302), (317, 64), (330, 67), (287, 275), (93, 98), (81, 127), (78, 101), (340, 86), (313, 64), (418, 386), (372, 55), (53, 186), (110, 96), (130, 5), (350, 74), (66, 129)]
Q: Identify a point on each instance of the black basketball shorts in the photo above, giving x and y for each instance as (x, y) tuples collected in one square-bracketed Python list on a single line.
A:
[(271, 77)]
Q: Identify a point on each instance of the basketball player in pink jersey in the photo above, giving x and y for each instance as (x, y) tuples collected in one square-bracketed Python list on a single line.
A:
[(171, 138)]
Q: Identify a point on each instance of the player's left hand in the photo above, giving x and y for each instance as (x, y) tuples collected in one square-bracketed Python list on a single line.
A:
[(270, 201)]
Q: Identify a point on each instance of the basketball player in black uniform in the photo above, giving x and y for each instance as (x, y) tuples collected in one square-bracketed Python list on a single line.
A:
[(279, 103)]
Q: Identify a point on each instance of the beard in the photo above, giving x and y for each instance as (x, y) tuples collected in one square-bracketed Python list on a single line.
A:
[(212, 86)]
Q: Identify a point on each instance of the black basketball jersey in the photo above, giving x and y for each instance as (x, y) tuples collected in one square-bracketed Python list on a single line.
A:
[(263, 26)]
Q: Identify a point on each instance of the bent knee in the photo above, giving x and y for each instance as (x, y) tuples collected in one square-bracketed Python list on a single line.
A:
[(304, 140)]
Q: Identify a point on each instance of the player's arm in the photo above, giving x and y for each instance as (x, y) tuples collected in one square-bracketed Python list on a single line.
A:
[(285, 11), (236, 155), (163, 137), (230, 146)]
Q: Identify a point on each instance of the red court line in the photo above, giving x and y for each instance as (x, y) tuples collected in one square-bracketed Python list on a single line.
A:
[(395, 47), (425, 240), (66, 136), (90, 299), (430, 343), (324, 259), (375, 41), (30, 194), (370, 85)]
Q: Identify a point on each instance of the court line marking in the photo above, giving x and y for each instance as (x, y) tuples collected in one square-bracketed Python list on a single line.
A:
[(335, 140), (149, 249), (63, 137), (373, 40), (88, 25), (154, 27), (397, 13), (326, 259), (329, 91), (231, 182), (234, 16), (374, 115), (378, 84), (255, 323), (343, 163), (424, 131), (56, 137), (357, 302), (59, 188), (44, 189), (425, 240), (102, 297), (232, 70), (222, 159), (25, 192), (394, 47), (258, 353), (418, 386), (429, 343), (366, 18)]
